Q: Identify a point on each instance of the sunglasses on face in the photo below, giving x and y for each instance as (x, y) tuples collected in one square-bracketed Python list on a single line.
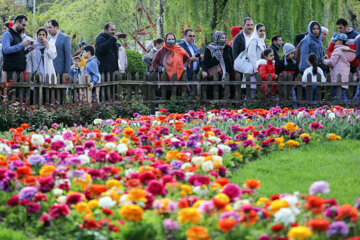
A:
[(191, 35), (262, 31)]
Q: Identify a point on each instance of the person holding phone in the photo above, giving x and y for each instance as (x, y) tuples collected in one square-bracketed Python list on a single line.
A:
[(41, 60), (190, 47)]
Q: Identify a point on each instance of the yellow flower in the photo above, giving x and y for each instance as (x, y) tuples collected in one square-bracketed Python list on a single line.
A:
[(291, 127), (171, 155), (113, 183), (185, 190), (305, 135), (262, 200), (281, 145), (2, 157), (208, 158), (83, 183), (124, 140), (131, 212), (276, 205), (299, 232), (333, 137), (189, 215), (197, 233), (82, 208), (137, 194), (197, 203), (93, 204), (279, 140), (250, 137), (113, 193), (145, 169), (223, 197), (292, 143), (211, 134), (46, 170), (215, 186), (151, 155)]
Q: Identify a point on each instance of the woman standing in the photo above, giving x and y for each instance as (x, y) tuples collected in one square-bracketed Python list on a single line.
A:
[(218, 59), (41, 59)]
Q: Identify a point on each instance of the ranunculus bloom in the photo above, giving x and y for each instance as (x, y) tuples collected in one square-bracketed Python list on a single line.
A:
[(73, 199), (347, 211), (337, 229), (226, 224), (13, 201), (46, 184), (232, 191), (33, 207), (299, 232), (319, 224), (131, 212), (156, 188), (58, 210), (199, 180), (319, 187), (197, 233), (189, 215)]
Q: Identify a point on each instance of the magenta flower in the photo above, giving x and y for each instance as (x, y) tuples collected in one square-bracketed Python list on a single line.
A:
[(315, 126), (232, 191)]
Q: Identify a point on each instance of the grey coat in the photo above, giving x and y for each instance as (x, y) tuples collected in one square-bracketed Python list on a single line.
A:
[(62, 62)]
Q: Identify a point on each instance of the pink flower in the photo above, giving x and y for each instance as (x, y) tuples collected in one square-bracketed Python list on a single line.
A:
[(45, 218), (199, 180), (109, 138), (46, 184), (155, 188), (146, 177), (232, 191), (33, 207), (73, 199), (315, 126), (13, 201), (58, 210)]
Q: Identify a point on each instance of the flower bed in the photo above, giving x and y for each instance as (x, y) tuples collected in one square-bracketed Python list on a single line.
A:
[(165, 177)]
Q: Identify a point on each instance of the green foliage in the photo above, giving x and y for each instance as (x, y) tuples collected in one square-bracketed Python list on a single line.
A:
[(135, 63), (10, 234)]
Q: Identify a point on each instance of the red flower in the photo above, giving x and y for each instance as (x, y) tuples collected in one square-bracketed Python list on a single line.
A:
[(232, 191), (13, 201), (108, 211), (199, 180), (45, 218), (277, 227), (319, 224), (46, 184), (39, 197), (73, 199), (347, 211), (155, 188), (58, 210), (33, 207), (146, 177), (89, 224)]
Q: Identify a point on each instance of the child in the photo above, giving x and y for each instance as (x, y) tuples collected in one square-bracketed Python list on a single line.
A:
[(288, 65), (313, 70), (92, 67), (265, 67), (75, 70), (339, 63)]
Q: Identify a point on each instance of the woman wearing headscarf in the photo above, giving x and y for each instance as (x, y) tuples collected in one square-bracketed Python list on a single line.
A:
[(256, 46), (41, 59), (171, 59), (311, 44), (218, 59)]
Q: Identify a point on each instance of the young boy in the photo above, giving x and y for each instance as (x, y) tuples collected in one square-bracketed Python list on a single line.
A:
[(75, 70), (92, 67)]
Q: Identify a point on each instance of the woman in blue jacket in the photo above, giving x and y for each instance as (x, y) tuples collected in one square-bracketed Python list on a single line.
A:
[(311, 44)]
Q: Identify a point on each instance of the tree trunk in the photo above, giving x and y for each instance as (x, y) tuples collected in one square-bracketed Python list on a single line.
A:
[(161, 19), (218, 11)]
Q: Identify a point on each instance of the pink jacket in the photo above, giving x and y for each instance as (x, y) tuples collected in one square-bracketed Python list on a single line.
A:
[(339, 63)]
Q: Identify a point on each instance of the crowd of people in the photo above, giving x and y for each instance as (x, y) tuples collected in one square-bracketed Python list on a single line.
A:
[(247, 52)]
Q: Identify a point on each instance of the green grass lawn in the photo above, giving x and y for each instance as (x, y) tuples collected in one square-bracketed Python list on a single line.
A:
[(338, 163)]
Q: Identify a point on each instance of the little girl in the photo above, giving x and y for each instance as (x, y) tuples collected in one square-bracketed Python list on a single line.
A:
[(266, 66), (313, 70), (339, 63)]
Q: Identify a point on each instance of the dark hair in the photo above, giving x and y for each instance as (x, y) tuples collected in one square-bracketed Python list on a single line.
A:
[(313, 60), (108, 25), (259, 25), (54, 23), (169, 33), (82, 44), (90, 49), (158, 41), (20, 18), (313, 24), (77, 57), (275, 38), (266, 53), (342, 21), (42, 29), (247, 19), (188, 30)]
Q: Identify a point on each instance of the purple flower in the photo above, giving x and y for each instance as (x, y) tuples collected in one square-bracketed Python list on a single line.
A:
[(180, 176), (248, 143), (331, 212), (337, 228), (164, 168), (159, 151), (357, 204), (319, 187), (15, 164), (35, 159), (176, 164), (74, 161), (6, 185), (27, 193), (233, 146), (231, 214), (77, 174), (191, 144), (170, 224)]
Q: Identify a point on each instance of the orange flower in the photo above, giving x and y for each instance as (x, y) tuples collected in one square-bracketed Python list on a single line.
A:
[(189, 215), (29, 181), (98, 189), (136, 194), (132, 183), (23, 172), (249, 218), (315, 204), (24, 125), (46, 170), (222, 181), (197, 233), (319, 224), (347, 211), (252, 183), (3, 164), (206, 128), (226, 224), (171, 155), (128, 132), (219, 203)]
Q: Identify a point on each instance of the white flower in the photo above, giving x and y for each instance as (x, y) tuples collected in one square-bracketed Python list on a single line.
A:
[(240, 203), (203, 191), (58, 191), (214, 151), (98, 121), (285, 215), (123, 123), (197, 160), (155, 123), (84, 159), (185, 166), (225, 148), (292, 200), (106, 202), (331, 115), (61, 199), (300, 115), (37, 140), (129, 171), (57, 138), (124, 200), (188, 175), (122, 148), (214, 139), (69, 145), (110, 145), (207, 166), (62, 181), (174, 139)]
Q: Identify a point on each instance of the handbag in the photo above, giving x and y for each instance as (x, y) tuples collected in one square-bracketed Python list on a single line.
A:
[(214, 70), (242, 62)]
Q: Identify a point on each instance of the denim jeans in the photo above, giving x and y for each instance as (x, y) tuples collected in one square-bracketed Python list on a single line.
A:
[(343, 93), (357, 94), (313, 90)]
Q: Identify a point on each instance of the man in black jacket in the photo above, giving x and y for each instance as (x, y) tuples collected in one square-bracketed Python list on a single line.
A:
[(276, 44), (107, 49), (242, 40)]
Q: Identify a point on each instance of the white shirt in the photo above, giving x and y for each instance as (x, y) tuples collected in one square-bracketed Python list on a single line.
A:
[(195, 63), (247, 40), (313, 77), (53, 39)]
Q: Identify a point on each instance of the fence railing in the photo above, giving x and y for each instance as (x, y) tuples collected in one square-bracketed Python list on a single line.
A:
[(33, 89)]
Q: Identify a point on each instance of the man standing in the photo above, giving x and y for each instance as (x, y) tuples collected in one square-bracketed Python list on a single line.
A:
[(13, 48), (277, 42), (107, 49), (62, 62), (189, 46), (242, 40)]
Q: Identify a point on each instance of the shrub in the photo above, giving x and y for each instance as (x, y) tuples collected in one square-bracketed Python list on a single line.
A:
[(135, 63)]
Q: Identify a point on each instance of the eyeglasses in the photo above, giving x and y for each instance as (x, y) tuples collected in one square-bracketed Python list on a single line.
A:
[(24, 25), (262, 31), (191, 35)]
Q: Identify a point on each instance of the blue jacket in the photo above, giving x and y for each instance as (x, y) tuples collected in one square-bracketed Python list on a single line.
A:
[(75, 73), (92, 68), (310, 44), (189, 71), (62, 62)]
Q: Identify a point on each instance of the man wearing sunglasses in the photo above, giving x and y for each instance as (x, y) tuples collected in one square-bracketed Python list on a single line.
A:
[(190, 47), (13, 48)]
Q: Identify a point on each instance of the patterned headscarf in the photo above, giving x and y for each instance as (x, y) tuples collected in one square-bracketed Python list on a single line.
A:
[(215, 50)]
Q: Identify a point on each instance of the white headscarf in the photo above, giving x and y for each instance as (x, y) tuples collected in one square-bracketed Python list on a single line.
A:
[(260, 41)]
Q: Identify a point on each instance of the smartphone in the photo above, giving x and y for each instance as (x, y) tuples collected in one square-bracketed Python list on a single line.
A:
[(197, 55), (121, 35), (32, 43)]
